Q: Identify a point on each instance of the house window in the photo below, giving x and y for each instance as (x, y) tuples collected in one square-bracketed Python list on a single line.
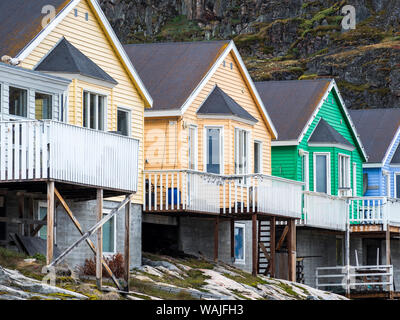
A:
[(123, 122), (239, 243), (344, 171), (93, 110), (322, 172), (213, 150), (257, 157), (42, 213), (109, 232), (192, 148), (18, 102), (43, 106), (241, 151), (397, 184)]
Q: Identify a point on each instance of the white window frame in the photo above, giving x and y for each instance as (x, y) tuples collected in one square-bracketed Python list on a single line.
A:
[(28, 102), (396, 176), (97, 93), (386, 175), (221, 151), (196, 146), (242, 226), (236, 149), (129, 112), (346, 179), (110, 253), (306, 169), (328, 170), (260, 160), (53, 99)]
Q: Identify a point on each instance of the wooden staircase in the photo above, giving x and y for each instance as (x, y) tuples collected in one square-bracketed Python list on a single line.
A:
[(264, 247)]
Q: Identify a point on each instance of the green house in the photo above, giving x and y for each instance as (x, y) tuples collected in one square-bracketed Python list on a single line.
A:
[(317, 141)]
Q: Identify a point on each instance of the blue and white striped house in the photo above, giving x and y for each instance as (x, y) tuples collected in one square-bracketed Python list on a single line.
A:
[(380, 134)]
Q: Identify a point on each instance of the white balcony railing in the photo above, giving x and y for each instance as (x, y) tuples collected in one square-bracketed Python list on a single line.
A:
[(324, 211), (171, 190), (37, 150), (374, 210)]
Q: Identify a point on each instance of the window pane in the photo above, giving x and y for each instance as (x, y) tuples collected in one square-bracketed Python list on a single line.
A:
[(213, 150), (239, 243), (122, 120), (101, 118), (321, 172), (257, 148), (85, 108), (18, 102), (108, 236), (43, 230), (397, 186), (93, 111), (43, 106)]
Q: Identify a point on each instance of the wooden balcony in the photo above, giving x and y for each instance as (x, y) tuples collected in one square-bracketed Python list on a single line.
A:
[(324, 211), (188, 191), (374, 214), (49, 150)]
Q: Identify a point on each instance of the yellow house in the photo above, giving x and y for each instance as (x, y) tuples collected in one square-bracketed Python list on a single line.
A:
[(207, 152), (73, 40)]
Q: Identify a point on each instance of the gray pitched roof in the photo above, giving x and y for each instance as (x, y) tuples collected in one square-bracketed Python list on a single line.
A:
[(396, 156), (291, 103), (65, 58), (172, 71), (325, 133), (21, 21), (377, 128), (219, 103)]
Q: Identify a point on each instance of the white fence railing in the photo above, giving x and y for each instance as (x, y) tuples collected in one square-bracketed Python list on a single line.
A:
[(55, 150), (324, 211), (167, 190), (374, 210), (357, 278)]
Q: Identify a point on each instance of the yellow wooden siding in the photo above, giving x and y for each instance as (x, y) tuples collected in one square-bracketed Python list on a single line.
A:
[(89, 37), (166, 144)]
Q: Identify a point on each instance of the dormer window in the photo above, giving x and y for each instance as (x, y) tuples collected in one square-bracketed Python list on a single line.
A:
[(94, 110)]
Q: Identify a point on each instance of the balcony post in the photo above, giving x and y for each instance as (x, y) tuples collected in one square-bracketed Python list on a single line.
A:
[(216, 240), (127, 244), (50, 222), (272, 235), (254, 244), (292, 249), (99, 247)]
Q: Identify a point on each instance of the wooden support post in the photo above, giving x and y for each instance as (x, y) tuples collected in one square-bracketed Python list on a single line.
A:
[(388, 259), (216, 239), (272, 234), (127, 244), (292, 249), (99, 248), (50, 221), (232, 240), (254, 244)]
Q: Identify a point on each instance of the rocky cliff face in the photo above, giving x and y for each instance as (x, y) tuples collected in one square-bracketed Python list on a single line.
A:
[(283, 39)]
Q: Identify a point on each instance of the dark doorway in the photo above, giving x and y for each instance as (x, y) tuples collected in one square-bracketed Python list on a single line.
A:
[(373, 255), (160, 239)]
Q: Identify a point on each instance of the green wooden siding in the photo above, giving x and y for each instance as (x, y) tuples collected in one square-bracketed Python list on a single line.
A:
[(287, 163)]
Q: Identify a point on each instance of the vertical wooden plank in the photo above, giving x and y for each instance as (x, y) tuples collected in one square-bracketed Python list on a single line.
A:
[(30, 150), (2, 152), (10, 147), (37, 150), (24, 141), (127, 244), (272, 235), (50, 221), (254, 247), (44, 150), (388, 258), (99, 247), (292, 249), (16, 150), (216, 238)]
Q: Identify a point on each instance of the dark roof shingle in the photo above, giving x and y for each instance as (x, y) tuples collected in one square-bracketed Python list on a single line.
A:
[(377, 128), (219, 103), (291, 103), (325, 133), (172, 71), (21, 21), (66, 58)]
